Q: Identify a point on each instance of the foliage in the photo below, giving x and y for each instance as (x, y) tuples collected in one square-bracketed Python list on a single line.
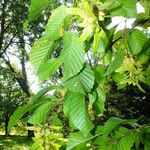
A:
[(92, 58), (48, 137)]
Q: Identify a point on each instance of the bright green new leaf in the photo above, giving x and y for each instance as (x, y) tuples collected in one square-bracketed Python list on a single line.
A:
[(82, 83), (40, 53), (92, 98), (116, 63), (36, 7), (100, 42), (118, 78), (54, 28), (72, 55), (40, 113), (86, 33), (96, 42), (136, 41), (49, 68), (126, 8), (75, 109), (111, 124)]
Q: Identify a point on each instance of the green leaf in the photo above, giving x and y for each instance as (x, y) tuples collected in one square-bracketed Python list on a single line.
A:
[(136, 40), (104, 143), (40, 53), (99, 73), (126, 8), (116, 63), (145, 136), (131, 122), (36, 8), (54, 28), (82, 83), (120, 132), (40, 113), (126, 142), (118, 78), (42, 92), (100, 102), (79, 141), (111, 124), (75, 109), (49, 68), (72, 54), (20, 112)]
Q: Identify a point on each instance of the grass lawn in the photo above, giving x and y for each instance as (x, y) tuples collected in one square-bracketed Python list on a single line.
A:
[(15, 143)]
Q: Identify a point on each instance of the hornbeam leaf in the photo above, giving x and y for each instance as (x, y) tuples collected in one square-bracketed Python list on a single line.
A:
[(75, 109), (54, 28), (40, 94), (40, 113), (79, 141), (100, 102), (82, 83), (116, 63), (100, 41), (73, 54), (49, 68), (20, 112), (136, 41), (127, 142), (111, 124), (40, 53), (36, 8)]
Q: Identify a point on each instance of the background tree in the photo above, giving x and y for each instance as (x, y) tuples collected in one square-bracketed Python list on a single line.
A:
[(15, 42), (11, 97)]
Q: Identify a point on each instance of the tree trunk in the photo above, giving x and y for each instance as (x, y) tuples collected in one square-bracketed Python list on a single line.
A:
[(6, 125)]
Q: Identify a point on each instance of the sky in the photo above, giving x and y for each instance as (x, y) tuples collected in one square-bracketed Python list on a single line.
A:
[(122, 22)]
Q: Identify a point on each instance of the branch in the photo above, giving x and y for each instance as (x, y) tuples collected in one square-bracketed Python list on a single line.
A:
[(10, 42), (5, 29), (121, 37), (21, 43), (125, 33)]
